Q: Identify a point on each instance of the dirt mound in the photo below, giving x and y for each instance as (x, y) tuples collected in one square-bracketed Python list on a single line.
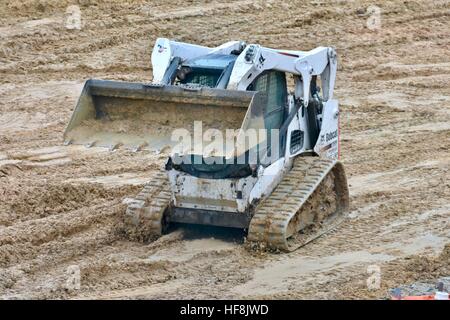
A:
[(26, 202), (426, 268), (50, 199)]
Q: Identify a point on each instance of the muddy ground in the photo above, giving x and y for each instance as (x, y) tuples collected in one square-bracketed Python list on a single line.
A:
[(59, 205)]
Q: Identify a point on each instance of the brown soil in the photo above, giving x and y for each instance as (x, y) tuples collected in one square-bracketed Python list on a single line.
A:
[(59, 206)]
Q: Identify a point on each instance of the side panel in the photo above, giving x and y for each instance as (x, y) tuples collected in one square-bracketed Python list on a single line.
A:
[(327, 145), (267, 180)]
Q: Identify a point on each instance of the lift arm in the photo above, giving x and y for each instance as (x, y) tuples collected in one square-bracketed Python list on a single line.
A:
[(255, 59)]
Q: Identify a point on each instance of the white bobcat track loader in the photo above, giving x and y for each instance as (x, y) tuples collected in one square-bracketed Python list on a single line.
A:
[(276, 174)]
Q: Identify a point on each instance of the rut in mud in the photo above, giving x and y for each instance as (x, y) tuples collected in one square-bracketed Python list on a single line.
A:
[(60, 205)]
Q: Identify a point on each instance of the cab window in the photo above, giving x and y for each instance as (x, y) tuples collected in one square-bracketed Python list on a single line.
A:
[(273, 83)]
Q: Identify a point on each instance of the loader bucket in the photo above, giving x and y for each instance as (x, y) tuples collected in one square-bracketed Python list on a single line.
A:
[(143, 116)]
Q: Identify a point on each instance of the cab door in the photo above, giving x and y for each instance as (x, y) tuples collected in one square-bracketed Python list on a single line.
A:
[(273, 83)]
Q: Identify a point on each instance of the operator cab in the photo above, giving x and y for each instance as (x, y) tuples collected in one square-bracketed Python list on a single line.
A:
[(214, 70)]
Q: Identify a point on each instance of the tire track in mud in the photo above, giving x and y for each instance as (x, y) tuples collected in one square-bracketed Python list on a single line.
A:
[(35, 233), (70, 226), (36, 250), (192, 277)]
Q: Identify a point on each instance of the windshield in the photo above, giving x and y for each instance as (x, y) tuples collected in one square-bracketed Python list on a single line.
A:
[(200, 76)]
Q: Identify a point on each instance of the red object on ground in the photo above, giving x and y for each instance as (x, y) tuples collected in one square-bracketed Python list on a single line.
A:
[(427, 297)]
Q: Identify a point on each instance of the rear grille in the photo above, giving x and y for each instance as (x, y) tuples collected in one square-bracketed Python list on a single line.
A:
[(296, 141)]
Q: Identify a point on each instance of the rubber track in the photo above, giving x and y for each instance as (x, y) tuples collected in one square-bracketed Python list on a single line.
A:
[(270, 222), (143, 219)]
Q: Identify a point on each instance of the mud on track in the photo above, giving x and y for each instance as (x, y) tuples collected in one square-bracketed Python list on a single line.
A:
[(59, 206)]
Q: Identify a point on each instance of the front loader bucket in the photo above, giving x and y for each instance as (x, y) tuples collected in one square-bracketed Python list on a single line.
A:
[(144, 116)]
